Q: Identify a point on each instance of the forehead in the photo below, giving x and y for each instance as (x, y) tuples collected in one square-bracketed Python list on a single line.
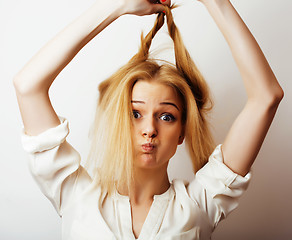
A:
[(151, 91)]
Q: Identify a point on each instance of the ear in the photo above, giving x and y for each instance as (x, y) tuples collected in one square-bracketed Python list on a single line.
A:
[(182, 136), (181, 140)]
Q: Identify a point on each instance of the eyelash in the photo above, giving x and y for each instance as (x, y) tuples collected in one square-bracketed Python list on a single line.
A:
[(170, 117), (134, 113)]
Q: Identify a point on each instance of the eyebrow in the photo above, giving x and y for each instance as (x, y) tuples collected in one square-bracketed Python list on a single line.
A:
[(162, 103)]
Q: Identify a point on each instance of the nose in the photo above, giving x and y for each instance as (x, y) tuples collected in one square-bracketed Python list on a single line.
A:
[(149, 129)]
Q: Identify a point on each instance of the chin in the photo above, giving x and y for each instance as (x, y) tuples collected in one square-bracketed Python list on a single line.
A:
[(149, 161)]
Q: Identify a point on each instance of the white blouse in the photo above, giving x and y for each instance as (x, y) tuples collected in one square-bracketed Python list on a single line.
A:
[(187, 211)]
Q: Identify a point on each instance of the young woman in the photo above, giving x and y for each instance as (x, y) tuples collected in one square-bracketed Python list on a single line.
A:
[(145, 111)]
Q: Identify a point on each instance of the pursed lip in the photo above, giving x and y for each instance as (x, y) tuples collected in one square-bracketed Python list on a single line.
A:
[(148, 147)]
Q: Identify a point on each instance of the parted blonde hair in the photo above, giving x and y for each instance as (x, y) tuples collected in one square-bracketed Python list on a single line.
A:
[(111, 155)]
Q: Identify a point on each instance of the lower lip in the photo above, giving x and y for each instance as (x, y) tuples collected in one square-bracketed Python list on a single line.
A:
[(148, 148)]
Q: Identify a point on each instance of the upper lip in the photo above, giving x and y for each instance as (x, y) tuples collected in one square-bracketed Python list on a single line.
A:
[(148, 147)]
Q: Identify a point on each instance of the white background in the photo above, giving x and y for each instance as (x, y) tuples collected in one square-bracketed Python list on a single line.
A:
[(25, 26)]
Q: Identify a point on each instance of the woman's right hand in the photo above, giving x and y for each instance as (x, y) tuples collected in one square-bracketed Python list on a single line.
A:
[(144, 7), (33, 81)]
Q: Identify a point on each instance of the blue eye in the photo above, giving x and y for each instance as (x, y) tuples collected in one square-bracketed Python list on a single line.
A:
[(136, 114), (167, 118)]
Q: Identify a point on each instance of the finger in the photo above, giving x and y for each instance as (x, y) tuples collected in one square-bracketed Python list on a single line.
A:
[(160, 5), (165, 2)]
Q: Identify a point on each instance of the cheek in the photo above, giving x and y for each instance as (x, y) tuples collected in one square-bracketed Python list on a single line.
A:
[(172, 134), (170, 143), (135, 129)]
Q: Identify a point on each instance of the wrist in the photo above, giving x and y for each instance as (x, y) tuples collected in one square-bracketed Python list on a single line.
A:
[(217, 8), (217, 3), (115, 8)]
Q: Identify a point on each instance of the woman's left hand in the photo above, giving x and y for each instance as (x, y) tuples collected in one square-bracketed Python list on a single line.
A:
[(144, 7)]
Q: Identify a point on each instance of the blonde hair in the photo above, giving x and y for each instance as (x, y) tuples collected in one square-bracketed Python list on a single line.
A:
[(111, 155)]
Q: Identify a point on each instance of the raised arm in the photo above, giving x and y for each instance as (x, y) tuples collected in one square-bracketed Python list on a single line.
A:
[(32, 83), (247, 133)]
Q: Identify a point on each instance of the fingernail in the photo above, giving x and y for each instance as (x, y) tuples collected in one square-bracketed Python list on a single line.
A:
[(163, 0), (163, 11)]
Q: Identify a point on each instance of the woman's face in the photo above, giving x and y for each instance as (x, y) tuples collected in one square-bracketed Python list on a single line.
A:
[(157, 123)]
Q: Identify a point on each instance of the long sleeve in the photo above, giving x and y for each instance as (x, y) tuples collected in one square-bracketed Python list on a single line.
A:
[(217, 189), (55, 165)]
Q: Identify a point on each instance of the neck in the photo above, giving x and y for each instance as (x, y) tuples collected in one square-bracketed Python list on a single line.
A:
[(147, 183)]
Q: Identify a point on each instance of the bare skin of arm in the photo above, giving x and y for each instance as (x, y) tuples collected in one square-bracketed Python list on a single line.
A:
[(33, 81), (264, 93)]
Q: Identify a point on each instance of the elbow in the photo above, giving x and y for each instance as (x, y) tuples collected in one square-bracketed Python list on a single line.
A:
[(24, 87), (272, 102), (16, 83), (276, 97), (269, 99), (20, 86)]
